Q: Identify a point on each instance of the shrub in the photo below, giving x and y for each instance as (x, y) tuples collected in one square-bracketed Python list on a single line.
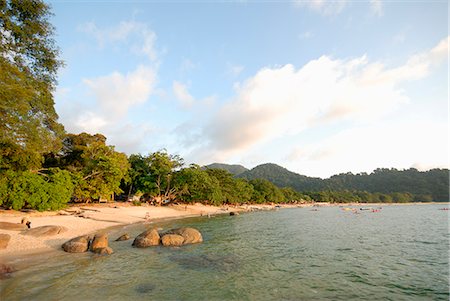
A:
[(49, 191)]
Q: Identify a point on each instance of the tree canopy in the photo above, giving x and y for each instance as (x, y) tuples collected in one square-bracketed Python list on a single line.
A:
[(28, 67)]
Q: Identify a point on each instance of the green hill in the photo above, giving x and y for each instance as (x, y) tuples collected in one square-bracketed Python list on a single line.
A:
[(234, 169), (282, 177), (432, 185)]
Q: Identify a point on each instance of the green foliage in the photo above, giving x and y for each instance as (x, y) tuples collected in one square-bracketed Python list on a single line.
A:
[(266, 192), (50, 191), (232, 191), (234, 169), (96, 167), (28, 68), (153, 174), (424, 186), (136, 203), (195, 185)]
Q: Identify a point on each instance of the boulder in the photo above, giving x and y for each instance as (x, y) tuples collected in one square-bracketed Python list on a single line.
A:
[(147, 239), (45, 231), (190, 235), (100, 241), (5, 270), (12, 226), (78, 244), (4, 240), (103, 251), (123, 237), (172, 240)]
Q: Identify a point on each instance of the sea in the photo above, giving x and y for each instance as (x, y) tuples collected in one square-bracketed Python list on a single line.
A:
[(320, 253)]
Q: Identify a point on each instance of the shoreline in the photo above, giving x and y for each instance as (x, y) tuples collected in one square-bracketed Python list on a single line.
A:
[(90, 219), (105, 218)]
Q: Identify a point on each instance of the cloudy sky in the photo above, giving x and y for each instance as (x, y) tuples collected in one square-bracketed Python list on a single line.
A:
[(319, 87)]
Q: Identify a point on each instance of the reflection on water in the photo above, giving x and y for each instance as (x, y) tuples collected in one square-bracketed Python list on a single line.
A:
[(400, 253)]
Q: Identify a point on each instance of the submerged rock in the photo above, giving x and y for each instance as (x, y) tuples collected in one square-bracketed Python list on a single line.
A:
[(190, 235), (103, 251), (147, 239), (4, 240), (123, 237), (45, 231), (172, 240), (78, 244), (5, 270)]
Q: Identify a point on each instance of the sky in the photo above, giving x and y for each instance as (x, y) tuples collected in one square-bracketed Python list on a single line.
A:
[(319, 87)]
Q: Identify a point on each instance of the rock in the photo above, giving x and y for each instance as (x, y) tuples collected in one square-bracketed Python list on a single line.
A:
[(123, 237), (5, 270), (4, 240), (147, 239), (12, 226), (232, 213), (45, 231), (103, 251), (172, 240), (100, 241), (190, 235), (78, 244)]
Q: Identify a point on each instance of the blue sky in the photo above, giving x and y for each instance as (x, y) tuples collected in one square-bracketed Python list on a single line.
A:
[(319, 87)]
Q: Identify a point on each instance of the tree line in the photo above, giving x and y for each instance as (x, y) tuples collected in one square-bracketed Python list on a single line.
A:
[(382, 185)]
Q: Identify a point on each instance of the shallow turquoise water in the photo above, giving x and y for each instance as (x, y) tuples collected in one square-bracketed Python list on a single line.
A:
[(400, 253)]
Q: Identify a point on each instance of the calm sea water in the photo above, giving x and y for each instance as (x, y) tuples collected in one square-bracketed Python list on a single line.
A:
[(400, 253)]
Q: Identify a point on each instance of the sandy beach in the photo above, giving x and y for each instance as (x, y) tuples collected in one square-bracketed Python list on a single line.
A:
[(91, 219)]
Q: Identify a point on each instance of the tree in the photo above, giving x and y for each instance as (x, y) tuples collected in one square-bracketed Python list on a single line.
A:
[(195, 185), (153, 174), (28, 68), (265, 191), (97, 168), (232, 190)]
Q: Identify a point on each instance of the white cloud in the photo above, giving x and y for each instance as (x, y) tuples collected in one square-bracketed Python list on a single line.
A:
[(324, 7), (376, 7), (116, 93), (123, 34), (181, 93), (399, 145), (283, 101)]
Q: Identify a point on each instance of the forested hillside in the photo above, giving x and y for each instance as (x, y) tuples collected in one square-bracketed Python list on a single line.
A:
[(425, 186), (234, 169)]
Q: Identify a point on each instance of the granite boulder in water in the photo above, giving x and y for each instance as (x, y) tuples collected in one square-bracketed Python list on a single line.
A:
[(123, 237), (147, 239), (78, 244), (103, 251), (190, 235), (100, 241), (172, 240)]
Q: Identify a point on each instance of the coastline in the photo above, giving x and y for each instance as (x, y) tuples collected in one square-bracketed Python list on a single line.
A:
[(90, 219), (105, 218)]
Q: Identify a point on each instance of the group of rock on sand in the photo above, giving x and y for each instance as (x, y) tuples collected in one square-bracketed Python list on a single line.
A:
[(98, 243)]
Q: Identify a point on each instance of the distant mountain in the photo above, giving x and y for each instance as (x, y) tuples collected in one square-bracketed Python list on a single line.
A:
[(282, 177), (234, 169), (429, 185)]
